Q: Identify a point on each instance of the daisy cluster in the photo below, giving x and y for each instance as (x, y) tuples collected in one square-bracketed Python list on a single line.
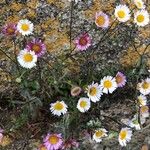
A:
[(34, 48), (122, 13), (94, 93)]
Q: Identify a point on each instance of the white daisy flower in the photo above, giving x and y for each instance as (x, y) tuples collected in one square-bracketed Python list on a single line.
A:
[(84, 104), (108, 84), (144, 86), (25, 27), (139, 4), (27, 59), (141, 18), (94, 92), (142, 100), (99, 134), (124, 136), (58, 108), (144, 111), (122, 13), (134, 123)]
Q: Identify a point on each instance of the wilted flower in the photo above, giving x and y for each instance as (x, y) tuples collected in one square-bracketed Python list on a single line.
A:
[(120, 79), (18, 80), (53, 141), (83, 42), (75, 91), (37, 46)]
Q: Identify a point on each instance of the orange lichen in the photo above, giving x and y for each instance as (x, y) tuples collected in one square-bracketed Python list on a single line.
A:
[(13, 19), (131, 57), (50, 24), (32, 4), (59, 4), (144, 33), (58, 43), (31, 13), (16, 6), (72, 66), (96, 7)]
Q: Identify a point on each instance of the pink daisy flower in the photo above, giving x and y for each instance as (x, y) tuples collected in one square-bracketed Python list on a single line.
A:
[(9, 29), (83, 41), (37, 46), (120, 79), (101, 20), (53, 141)]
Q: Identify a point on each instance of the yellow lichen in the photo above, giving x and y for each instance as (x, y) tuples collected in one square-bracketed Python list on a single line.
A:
[(96, 7), (131, 57), (16, 6), (33, 4), (13, 19), (31, 13)]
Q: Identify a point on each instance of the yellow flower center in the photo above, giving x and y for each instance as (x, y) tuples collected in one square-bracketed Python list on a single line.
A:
[(53, 139), (123, 134), (144, 109), (100, 20), (107, 84), (140, 18), (121, 14), (58, 106), (93, 91), (119, 79), (36, 48), (145, 85), (25, 27), (99, 133), (28, 57), (83, 104)]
